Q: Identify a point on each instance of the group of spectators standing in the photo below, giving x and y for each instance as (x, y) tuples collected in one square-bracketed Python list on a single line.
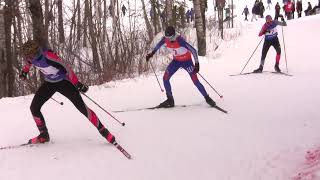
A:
[(289, 8)]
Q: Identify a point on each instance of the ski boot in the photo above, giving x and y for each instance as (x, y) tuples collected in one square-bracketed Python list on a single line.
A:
[(210, 101), (105, 133), (167, 103), (259, 70), (42, 138), (276, 68)]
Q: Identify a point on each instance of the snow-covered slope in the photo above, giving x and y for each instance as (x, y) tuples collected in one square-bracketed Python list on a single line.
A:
[(273, 120)]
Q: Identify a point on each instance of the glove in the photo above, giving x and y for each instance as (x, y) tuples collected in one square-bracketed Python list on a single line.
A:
[(196, 68), (82, 87), (149, 56), (23, 75)]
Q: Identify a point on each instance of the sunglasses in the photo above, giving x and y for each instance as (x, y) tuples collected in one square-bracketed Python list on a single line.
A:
[(171, 38)]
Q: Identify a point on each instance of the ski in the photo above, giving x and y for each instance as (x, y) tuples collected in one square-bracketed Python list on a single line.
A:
[(124, 152), (147, 108), (220, 109), (282, 73), (244, 74), (273, 72), (16, 146)]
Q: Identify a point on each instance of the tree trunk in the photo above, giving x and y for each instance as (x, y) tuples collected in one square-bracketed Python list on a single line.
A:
[(60, 22), (9, 75), (2, 56), (37, 22), (148, 25), (201, 38), (92, 35), (169, 17)]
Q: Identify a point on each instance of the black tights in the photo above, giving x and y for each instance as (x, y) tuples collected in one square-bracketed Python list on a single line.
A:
[(66, 88)]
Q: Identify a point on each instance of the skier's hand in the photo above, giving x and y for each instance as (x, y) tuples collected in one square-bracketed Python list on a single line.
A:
[(196, 68), (149, 56), (23, 75), (282, 19), (82, 87)]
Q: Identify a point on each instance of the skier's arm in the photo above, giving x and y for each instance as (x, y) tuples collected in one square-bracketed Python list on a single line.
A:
[(193, 51), (263, 30), (55, 61), (281, 23), (158, 46)]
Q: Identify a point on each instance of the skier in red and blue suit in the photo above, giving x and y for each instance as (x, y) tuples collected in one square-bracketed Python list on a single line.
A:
[(59, 77), (269, 30), (182, 58)]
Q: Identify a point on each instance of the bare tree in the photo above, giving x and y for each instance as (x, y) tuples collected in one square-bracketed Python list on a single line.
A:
[(60, 22), (2, 56), (39, 33), (201, 36), (169, 16), (148, 25)]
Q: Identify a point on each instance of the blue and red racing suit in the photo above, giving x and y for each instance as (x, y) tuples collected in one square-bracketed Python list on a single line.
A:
[(182, 52), (270, 32)]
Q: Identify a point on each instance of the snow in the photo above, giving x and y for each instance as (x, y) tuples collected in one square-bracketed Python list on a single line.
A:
[(273, 121)]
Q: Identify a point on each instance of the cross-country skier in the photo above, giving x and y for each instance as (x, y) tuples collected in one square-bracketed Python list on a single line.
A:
[(269, 30), (59, 77), (182, 52)]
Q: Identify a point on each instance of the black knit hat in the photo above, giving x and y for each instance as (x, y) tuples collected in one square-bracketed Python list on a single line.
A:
[(170, 31)]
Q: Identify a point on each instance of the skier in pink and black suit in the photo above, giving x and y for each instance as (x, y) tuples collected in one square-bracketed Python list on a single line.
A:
[(182, 52), (59, 77), (269, 30)]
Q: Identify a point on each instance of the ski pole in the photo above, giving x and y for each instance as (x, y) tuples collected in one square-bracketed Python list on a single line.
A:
[(211, 86), (122, 123), (251, 56), (156, 77), (285, 53), (28, 82)]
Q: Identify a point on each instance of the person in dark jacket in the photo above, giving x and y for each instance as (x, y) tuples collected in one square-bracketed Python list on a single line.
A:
[(308, 10), (277, 10), (246, 12), (299, 8), (269, 30)]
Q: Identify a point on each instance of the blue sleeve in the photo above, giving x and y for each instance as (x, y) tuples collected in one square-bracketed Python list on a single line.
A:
[(158, 46), (186, 45)]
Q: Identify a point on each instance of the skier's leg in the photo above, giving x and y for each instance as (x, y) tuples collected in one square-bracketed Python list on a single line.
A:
[(277, 47), (265, 50), (68, 90), (171, 69), (188, 66), (43, 94)]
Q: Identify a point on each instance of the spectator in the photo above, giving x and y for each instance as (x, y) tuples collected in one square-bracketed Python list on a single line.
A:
[(308, 10), (277, 10), (246, 12), (299, 8), (124, 9)]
